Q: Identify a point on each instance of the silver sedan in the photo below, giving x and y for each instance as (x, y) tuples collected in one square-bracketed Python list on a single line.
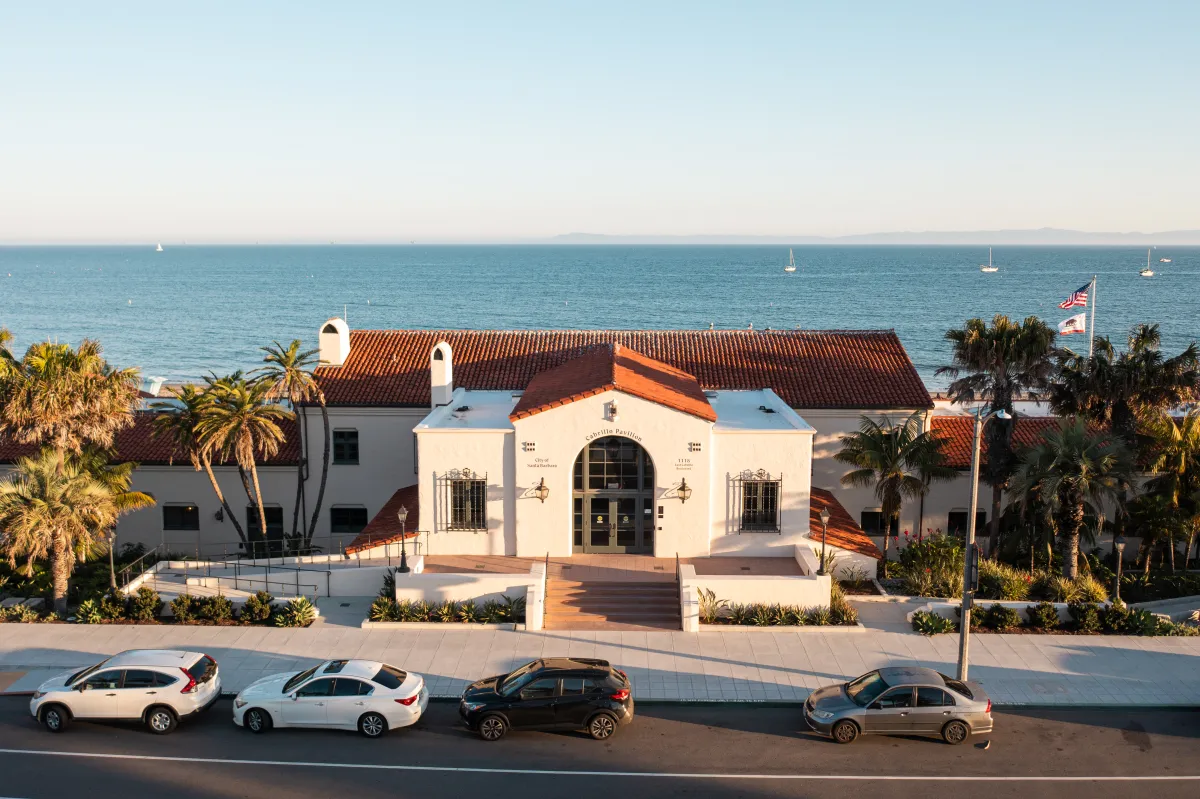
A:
[(900, 701)]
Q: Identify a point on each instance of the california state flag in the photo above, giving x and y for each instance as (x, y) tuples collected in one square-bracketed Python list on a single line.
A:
[(1076, 324)]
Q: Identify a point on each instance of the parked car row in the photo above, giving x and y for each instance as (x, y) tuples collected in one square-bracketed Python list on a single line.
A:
[(161, 687)]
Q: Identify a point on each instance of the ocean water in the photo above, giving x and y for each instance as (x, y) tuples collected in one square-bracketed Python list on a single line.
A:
[(190, 309)]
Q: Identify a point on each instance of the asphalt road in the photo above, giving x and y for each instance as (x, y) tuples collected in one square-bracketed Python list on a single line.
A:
[(669, 750)]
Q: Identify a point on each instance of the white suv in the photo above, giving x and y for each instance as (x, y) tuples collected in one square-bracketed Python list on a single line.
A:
[(155, 686)]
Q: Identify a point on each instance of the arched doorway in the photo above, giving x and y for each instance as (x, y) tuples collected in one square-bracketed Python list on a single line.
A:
[(613, 498)]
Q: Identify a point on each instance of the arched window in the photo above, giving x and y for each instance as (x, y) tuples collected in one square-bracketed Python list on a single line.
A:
[(613, 497), (437, 355), (329, 329)]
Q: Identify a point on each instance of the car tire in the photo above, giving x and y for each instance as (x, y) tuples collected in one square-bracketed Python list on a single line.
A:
[(372, 725), (955, 732), (845, 732), (602, 726), (492, 727), (257, 720), (55, 718), (161, 720)]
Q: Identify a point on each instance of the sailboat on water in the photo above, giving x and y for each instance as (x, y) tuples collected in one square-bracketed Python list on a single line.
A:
[(159, 247), (989, 267), (791, 264), (1147, 271)]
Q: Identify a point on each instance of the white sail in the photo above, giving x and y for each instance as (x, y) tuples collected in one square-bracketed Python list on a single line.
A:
[(989, 267), (791, 266), (159, 247)]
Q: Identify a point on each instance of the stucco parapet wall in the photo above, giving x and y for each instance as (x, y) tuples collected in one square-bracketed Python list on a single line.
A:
[(803, 629), (435, 625)]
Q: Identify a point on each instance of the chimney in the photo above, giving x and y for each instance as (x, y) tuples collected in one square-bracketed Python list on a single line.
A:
[(441, 375), (334, 342)]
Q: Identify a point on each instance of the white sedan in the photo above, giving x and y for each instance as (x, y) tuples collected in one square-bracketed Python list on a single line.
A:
[(363, 695)]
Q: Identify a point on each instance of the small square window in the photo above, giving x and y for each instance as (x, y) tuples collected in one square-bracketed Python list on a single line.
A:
[(468, 505), (181, 517), (871, 522), (274, 515), (347, 519), (345, 446), (760, 506)]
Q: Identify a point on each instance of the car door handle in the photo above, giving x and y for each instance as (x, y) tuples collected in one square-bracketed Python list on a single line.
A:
[(110, 694), (905, 713), (320, 704), (360, 704), (945, 712), (151, 693)]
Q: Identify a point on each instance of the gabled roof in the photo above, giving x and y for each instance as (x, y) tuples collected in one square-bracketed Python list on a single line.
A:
[(958, 433), (385, 527), (850, 369), (612, 367), (844, 532), (138, 443)]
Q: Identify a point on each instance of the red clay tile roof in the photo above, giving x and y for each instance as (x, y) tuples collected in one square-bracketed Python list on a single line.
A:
[(138, 443), (957, 434), (844, 532), (808, 368), (609, 367), (385, 527)]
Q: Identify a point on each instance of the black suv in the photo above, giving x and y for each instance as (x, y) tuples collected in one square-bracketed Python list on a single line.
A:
[(554, 693)]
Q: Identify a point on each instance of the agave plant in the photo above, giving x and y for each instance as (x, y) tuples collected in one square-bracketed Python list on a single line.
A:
[(711, 607), (468, 612), (741, 614), (446, 612), (297, 613), (383, 609), (820, 616)]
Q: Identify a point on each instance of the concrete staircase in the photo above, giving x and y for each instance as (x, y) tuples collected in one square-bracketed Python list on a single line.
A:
[(616, 605)]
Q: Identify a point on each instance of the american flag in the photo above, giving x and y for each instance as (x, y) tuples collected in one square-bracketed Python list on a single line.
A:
[(1078, 298)]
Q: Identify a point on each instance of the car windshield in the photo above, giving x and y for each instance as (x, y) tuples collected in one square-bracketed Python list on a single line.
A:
[(516, 679), (79, 675), (866, 689), (299, 678)]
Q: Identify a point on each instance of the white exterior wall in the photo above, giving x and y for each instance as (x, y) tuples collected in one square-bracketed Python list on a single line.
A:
[(786, 456), (560, 434), (487, 453)]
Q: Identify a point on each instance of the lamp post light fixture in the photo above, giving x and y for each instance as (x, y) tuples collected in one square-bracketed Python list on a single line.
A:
[(824, 533), (542, 490), (402, 515), (685, 491), (969, 557), (1119, 547)]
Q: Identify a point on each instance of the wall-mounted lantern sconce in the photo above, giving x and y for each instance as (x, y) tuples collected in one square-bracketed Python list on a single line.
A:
[(542, 491), (612, 411), (685, 491), (219, 515)]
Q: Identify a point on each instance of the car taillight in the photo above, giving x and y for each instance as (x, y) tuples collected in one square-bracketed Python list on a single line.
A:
[(989, 707), (618, 671), (191, 682), (620, 695), (409, 700)]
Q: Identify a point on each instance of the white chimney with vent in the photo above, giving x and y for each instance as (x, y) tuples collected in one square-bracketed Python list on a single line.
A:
[(334, 342), (441, 375)]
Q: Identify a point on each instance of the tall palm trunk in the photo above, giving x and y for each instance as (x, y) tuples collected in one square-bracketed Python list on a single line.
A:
[(1072, 526), (212, 478), (994, 527), (59, 573), (300, 422), (262, 513), (312, 526)]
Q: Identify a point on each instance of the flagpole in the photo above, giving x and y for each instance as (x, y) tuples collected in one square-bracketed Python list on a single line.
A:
[(1092, 324)]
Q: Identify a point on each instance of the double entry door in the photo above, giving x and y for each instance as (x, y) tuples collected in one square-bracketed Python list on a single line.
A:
[(617, 523)]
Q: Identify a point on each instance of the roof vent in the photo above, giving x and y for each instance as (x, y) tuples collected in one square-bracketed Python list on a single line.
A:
[(712, 395), (765, 409), (462, 409)]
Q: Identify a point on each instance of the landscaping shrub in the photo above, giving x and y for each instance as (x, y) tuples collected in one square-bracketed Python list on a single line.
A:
[(794, 616), (932, 566), (98, 611), (741, 614), (384, 609), (215, 608), (1089, 589), (1113, 618), (1001, 618), (928, 623), (840, 608), (1172, 628), (185, 607), (19, 614), (857, 576), (468, 612), (710, 606), (1042, 616), (1086, 616), (389, 584), (1141, 622), (819, 616), (1139, 587), (145, 604), (257, 607), (299, 612), (446, 612), (1001, 581)]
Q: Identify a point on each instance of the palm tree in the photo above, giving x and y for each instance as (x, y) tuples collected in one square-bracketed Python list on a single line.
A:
[(289, 374), (997, 365), (55, 509), (241, 423), (1176, 462), (117, 478), (899, 460), (7, 361), (179, 423), (1071, 467)]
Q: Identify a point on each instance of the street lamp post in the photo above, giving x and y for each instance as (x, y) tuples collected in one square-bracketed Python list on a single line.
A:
[(968, 594), (402, 515), (824, 533), (1119, 546)]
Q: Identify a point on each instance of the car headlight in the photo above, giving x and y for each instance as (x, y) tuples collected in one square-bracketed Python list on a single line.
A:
[(239, 702), (824, 715), (472, 706)]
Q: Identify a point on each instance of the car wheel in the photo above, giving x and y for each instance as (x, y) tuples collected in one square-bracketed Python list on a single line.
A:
[(372, 725), (845, 732), (602, 726), (161, 720), (492, 728), (55, 718), (257, 720), (955, 732)]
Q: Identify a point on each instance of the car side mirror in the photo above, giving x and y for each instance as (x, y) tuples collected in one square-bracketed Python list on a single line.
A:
[(82, 687), (875, 706), (293, 697)]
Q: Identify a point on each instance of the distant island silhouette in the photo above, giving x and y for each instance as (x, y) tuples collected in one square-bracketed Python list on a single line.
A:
[(1038, 237)]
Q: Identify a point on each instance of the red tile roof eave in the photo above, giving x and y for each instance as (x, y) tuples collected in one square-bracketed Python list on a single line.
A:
[(844, 532)]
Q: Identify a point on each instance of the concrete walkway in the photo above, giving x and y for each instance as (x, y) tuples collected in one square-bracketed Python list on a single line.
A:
[(777, 665)]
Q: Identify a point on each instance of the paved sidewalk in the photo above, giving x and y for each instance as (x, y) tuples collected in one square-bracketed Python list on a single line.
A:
[(775, 666)]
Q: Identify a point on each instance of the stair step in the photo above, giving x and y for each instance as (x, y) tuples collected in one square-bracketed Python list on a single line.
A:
[(667, 585), (614, 626), (601, 604)]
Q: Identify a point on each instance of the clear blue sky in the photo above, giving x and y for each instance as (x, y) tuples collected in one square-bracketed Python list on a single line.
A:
[(387, 121)]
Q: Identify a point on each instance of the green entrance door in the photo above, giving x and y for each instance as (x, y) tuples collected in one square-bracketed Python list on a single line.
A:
[(614, 498)]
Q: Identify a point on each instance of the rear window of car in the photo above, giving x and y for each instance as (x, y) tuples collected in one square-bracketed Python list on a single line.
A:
[(389, 677), (957, 685), (203, 670)]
